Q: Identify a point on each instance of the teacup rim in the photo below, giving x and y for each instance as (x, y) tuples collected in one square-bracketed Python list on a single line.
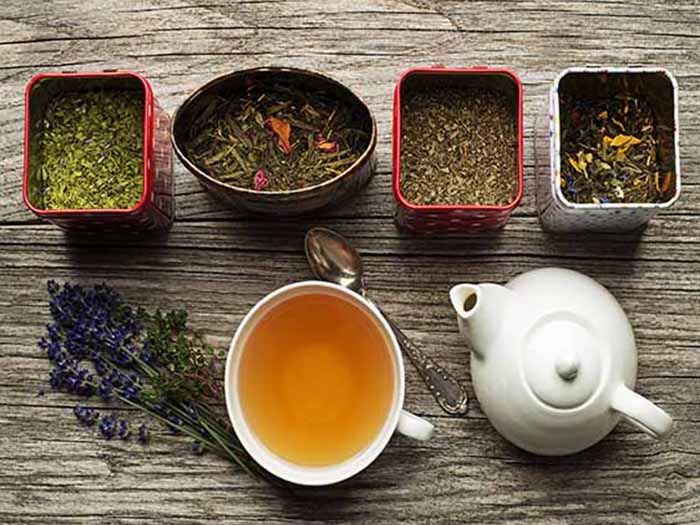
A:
[(281, 468)]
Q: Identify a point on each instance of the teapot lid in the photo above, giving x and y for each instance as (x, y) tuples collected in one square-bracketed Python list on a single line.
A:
[(563, 361)]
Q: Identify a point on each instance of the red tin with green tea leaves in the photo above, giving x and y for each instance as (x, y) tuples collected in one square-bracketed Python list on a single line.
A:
[(155, 208), (461, 218)]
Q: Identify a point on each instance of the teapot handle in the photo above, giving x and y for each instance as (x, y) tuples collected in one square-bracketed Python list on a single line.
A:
[(641, 412)]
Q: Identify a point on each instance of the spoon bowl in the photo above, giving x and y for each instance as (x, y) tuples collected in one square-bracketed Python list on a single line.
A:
[(333, 259)]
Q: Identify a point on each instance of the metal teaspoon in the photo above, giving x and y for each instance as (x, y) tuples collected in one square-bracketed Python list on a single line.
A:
[(333, 259)]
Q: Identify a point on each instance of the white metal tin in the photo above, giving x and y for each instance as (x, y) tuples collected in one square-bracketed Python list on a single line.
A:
[(555, 211)]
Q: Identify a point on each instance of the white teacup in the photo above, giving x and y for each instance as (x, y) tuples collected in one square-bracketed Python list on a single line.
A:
[(396, 419)]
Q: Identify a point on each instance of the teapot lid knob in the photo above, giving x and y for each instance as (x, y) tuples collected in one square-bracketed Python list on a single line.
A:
[(567, 364)]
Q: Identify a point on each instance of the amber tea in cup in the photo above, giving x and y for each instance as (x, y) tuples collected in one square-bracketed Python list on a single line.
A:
[(316, 380)]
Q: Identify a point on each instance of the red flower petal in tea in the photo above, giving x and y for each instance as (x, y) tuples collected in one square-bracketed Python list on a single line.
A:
[(260, 180), (325, 145), (282, 130)]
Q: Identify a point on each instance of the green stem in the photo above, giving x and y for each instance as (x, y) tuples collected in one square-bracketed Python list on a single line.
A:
[(222, 444), (182, 428), (212, 424)]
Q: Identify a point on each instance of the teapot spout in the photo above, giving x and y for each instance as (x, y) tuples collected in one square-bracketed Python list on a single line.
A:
[(480, 311)]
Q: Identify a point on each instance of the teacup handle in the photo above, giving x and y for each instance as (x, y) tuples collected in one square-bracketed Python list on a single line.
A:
[(641, 412), (414, 427)]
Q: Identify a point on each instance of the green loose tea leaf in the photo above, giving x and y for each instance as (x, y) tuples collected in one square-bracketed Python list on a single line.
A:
[(458, 147), (276, 137), (91, 150), (610, 152)]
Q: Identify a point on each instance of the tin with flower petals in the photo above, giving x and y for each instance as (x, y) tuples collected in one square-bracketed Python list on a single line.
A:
[(659, 88)]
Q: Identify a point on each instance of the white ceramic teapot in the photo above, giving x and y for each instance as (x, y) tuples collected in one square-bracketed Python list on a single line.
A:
[(553, 360)]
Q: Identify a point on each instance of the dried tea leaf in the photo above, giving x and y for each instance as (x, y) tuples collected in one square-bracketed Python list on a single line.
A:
[(91, 150), (458, 146)]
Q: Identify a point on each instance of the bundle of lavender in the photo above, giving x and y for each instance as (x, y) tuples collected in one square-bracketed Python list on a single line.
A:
[(100, 347)]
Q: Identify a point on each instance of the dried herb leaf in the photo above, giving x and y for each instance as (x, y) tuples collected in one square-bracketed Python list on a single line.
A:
[(458, 146), (91, 150)]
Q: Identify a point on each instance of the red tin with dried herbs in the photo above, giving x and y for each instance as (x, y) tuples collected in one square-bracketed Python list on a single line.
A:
[(153, 208), (460, 217)]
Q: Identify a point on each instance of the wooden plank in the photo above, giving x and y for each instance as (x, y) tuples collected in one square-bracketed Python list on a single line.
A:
[(217, 263)]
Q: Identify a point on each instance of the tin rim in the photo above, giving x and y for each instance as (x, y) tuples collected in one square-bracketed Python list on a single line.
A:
[(396, 170), (361, 161)]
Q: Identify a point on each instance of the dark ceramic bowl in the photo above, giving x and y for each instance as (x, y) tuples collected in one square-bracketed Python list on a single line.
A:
[(293, 202)]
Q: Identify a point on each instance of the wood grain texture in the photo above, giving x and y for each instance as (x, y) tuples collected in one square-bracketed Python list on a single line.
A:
[(218, 263)]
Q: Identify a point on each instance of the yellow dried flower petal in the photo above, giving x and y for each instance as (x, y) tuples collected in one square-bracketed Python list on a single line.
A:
[(625, 141), (575, 165)]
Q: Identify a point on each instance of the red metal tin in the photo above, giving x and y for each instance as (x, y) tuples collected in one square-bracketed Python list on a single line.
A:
[(460, 218), (156, 208)]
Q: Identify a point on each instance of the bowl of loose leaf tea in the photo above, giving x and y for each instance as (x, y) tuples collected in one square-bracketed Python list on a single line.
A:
[(610, 159), (277, 141), (457, 148), (97, 153)]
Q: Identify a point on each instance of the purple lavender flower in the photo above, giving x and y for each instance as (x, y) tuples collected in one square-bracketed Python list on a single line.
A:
[(123, 429), (105, 389), (97, 346), (108, 426), (86, 416), (175, 422), (144, 434)]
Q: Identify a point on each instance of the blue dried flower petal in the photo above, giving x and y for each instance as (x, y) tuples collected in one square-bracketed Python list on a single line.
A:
[(197, 448)]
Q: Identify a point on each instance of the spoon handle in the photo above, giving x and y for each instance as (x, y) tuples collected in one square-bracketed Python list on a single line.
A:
[(447, 391)]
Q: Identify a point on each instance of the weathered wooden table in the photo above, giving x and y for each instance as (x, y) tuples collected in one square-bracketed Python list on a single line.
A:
[(218, 263)]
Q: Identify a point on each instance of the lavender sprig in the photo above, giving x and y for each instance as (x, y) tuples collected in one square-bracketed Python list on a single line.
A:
[(99, 346)]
